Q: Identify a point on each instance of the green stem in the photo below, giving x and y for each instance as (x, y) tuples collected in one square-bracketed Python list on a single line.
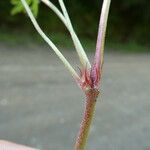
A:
[(91, 96)]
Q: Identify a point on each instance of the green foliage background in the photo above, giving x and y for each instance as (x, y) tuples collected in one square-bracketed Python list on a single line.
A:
[(18, 7), (129, 20)]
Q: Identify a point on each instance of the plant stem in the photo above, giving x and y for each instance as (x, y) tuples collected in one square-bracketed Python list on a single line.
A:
[(91, 96), (81, 53), (99, 55), (48, 41)]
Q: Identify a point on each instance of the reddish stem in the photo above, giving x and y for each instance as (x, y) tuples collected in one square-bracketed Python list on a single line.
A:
[(91, 96)]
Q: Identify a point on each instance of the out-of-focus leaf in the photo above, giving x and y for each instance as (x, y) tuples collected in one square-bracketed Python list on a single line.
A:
[(18, 7), (35, 7)]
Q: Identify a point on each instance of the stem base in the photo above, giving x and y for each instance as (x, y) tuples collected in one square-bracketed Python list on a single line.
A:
[(91, 96)]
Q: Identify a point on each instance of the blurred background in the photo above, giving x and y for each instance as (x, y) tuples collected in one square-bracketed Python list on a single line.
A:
[(128, 23), (40, 104)]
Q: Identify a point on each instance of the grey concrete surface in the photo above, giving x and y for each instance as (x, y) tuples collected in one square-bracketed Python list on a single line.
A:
[(41, 106)]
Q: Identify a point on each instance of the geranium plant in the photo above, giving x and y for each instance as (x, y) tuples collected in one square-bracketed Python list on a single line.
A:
[(89, 77)]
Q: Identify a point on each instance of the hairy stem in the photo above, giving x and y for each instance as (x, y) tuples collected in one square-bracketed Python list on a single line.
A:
[(91, 96)]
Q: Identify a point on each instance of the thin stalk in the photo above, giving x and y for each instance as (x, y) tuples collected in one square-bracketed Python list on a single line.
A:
[(66, 21), (91, 97), (81, 53), (49, 42), (99, 55)]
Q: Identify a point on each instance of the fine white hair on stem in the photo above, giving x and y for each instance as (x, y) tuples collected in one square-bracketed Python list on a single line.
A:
[(49, 42), (66, 20)]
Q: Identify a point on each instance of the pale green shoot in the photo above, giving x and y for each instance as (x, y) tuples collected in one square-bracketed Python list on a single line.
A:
[(82, 55), (49, 42), (66, 20)]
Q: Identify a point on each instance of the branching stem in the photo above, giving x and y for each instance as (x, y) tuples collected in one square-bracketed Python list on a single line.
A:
[(49, 42), (67, 22)]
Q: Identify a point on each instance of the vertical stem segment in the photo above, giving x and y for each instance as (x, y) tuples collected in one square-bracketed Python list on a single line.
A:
[(101, 34), (91, 96)]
